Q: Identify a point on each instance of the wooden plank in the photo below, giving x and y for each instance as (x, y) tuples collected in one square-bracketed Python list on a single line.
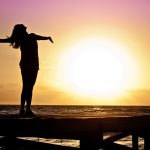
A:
[(55, 128), (93, 141), (2, 141), (39, 145), (74, 128), (125, 123), (10, 142), (116, 137), (114, 146), (147, 142), (87, 130), (78, 124), (135, 141)]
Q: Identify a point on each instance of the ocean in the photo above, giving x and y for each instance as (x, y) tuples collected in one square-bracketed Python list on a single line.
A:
[(81, 111)]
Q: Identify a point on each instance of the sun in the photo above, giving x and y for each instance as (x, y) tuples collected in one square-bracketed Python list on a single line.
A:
[(96, 67)]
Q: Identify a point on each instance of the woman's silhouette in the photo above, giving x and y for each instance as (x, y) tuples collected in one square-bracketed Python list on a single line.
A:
[(29, 62)]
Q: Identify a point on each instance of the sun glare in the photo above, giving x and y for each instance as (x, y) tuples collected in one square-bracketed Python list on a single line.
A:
[(96, 67)]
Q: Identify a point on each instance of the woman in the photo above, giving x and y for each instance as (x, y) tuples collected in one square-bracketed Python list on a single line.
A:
[(29, 62)]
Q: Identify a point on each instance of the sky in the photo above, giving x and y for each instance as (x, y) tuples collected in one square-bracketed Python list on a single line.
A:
[(73, 24)]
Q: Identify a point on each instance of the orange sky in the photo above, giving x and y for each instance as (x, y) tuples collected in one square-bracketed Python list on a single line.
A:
[(69, 22)]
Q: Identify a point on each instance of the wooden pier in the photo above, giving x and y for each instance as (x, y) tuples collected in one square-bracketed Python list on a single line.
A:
[(90, 131)]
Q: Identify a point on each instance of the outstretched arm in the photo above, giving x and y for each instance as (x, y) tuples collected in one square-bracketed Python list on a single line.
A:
[(38, 37), (7, 40)]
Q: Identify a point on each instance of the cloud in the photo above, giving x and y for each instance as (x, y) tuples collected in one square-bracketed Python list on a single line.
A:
[(138, 96)]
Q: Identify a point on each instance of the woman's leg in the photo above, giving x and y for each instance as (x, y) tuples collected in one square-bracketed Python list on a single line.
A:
[(31, 82), (23, 98), (28, 79), (24, 90)]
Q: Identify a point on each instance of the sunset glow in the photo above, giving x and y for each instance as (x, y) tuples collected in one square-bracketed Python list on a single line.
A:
[(97, 67)]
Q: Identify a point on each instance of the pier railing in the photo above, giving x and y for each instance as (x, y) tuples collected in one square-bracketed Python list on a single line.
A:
[(90, 131)]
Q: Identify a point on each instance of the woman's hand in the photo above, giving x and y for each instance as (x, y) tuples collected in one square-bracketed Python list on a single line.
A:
[(51, 39)]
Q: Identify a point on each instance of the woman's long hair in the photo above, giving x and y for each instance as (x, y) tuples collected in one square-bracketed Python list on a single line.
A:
[(17, 35)]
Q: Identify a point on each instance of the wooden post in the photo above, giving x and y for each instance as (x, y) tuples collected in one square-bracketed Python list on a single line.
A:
[(93, 141), (147, 142), (10, 142), (135, 142)]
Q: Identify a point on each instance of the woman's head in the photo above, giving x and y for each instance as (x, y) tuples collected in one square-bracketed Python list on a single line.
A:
[(18, 34), (19, 29)]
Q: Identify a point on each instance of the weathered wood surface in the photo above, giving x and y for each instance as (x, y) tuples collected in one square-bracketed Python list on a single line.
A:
[(88, 130), (71, 127)]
